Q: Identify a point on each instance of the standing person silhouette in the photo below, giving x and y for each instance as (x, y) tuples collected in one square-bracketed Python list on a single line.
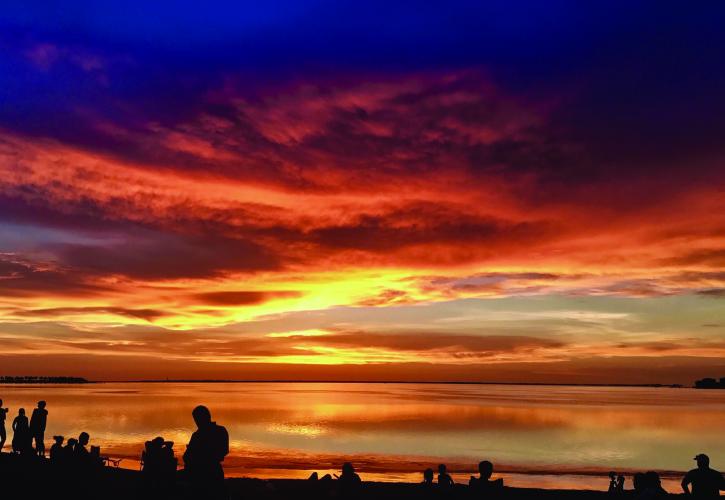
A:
[(21, 433), (38, 421), (706, 482), (208, 446), (3, 434)]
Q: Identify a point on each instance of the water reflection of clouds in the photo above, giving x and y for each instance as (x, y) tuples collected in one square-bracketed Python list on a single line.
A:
[(291, 426)]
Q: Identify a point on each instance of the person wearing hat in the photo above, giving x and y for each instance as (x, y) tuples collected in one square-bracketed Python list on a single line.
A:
[(706, 482)]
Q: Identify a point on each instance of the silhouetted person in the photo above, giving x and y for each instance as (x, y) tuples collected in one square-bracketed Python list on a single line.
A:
[(159, 467), (56, 450), (653, 486), (428, 477), (612, 482), (206, 450), (21, 434), (706, 482), (69, 450), (348, 481), (81, 456), (483, 485), (620, 483), (3, 433), (444, 479), (38, 421)]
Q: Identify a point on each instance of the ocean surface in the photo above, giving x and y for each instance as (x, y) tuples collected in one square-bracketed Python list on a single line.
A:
[(542, 436)]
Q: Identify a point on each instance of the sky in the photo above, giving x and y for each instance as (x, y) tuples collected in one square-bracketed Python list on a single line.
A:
[(441, 191)]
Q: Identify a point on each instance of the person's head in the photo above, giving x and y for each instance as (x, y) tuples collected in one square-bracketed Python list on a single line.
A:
[(612, 475), (428, 475), (485, 468), (703, 461), (72, 442), (653, 479), (201, 415), (41, 404), (157, 442), (58, 439), (21, 411), (347, 469), (442, 469), (1, 402), (83, 438)]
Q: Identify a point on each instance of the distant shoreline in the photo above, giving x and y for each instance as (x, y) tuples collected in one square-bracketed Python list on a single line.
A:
[(413, 382), (79, 380)]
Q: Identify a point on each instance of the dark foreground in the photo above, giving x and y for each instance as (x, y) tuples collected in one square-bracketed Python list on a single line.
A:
[(36, 478)]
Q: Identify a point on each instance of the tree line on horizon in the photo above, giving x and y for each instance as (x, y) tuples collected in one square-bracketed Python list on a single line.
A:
[(33, 379)]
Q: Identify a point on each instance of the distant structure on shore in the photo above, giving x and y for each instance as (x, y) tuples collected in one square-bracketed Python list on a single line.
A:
[(710, 383), (30, 379)]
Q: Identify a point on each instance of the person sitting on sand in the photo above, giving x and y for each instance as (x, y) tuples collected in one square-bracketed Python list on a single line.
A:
[(56, 451), (81, 456), (428, 477), (159, 464), (706, 482), (69, 449), (208, 446), (22, 443), (444, 479), (348, 481), (483, 483), (38, 422)]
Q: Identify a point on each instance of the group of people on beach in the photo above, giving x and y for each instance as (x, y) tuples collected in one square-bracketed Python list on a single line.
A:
[(209, 445), (24, 431)]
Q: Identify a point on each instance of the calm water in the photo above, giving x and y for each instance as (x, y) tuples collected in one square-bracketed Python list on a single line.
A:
[(536, 435)]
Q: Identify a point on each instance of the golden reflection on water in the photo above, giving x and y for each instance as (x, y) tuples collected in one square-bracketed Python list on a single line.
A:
[(392, 431)]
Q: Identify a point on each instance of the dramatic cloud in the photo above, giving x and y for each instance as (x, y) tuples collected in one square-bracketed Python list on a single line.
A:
[(496, 192)]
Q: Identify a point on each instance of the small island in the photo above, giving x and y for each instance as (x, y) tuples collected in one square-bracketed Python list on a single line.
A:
[(710, 383)]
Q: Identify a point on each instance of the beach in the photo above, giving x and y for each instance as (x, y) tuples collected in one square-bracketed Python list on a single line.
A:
[(40, 480)]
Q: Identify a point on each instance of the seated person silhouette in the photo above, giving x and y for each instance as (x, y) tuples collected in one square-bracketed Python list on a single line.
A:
[(159, 464), (348, 481), (428, 477), (81, 455), (428, 488), (653, 485), (483, 483), (69, 454), (206, 450), (706, 482), (444, 479), (56, 451), (38, 422)]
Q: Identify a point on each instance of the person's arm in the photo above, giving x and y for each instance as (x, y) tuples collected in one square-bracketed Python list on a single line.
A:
[(225, 444), (686, 483)]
